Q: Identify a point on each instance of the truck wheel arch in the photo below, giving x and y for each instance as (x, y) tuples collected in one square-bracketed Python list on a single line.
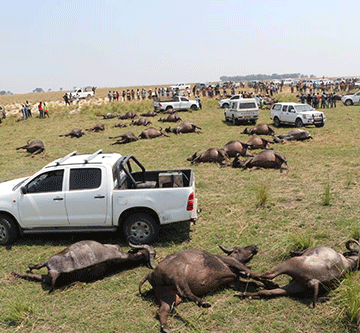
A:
[(149, 219)]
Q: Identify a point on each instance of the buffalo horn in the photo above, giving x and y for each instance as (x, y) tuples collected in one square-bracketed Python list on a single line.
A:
[(151, 252), (226, 250), (350, 242)]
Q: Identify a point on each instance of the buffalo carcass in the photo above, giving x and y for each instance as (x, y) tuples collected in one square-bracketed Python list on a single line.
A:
[(121, 125), (316, 268), (128, 115), (88, 260), (192, 273), (34, 147), (212, 155), (257, 142), (295, 134), (107, 116), (172, 118), (141, 122), (261, 129), (233, 148), (149, 114), (151, 133), (185, 127), (125, 138), (75, 133), (267, 159), (97, 128)]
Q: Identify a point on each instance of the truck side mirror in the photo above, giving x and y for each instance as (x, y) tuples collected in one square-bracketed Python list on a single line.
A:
[(23, 189)]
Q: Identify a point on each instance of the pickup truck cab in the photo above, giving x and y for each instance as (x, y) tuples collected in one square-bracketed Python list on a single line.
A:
[(296, 114), (176, 103), (96, 192), (225, 103), (83, 93), (242, 111)]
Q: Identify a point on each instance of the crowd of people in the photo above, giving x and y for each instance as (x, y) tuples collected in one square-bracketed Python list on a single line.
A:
[(26, 110)]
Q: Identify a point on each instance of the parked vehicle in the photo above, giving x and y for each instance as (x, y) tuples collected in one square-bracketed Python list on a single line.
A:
[(180, 86), (296, 114), (83, 93), (242, 111), (288, 82), (225, 103), (202, 85), (351, 99), (96, 192), (176, 103)]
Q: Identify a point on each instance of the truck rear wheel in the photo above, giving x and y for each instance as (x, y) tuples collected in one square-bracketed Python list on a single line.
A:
[(194, 107), (276, 122), (142, 228), (8, 230)]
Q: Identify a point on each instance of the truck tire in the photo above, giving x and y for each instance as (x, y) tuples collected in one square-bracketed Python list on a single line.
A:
[(298, 122), (226, 105), (142, 228), (88, 96), (8, 230), (194, 107), (276, 122), (348, 102)]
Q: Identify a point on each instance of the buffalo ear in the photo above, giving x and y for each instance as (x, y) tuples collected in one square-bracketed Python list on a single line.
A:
[(226, 250)]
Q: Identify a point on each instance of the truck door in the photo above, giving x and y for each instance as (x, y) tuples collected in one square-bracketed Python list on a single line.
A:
[(42, 202), (87, 198), (284, 115), (184, 103)]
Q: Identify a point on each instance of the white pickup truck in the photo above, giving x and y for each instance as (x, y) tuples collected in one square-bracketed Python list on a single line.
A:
[(296, 114), (83, 93), (176, 103), (96, 192), (180, 86)]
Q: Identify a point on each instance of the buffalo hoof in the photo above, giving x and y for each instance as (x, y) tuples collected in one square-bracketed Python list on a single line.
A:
[(165, 330), (205, 305), (270, 284)]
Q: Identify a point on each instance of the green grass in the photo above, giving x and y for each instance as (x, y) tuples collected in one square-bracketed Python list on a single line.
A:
[(292, 216)]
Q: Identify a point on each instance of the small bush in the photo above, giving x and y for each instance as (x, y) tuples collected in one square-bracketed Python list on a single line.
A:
[(300, 242), (19, 312), (262, 194), (327, 196)]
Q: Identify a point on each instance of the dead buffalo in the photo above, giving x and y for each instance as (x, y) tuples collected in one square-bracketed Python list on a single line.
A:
[(149, 114), (34, 147), (107, 116), (151, 133), (185, 127), (172, 118), (121, 125), (267, 159), (261, 129), (97, 128), (128, 115), (169, 111), (257, 142), (233, 148), (88, 261), (75, 133), (316, 268), (193, 273), (125, 138), (295, 134), (141, 122), (212, 155)]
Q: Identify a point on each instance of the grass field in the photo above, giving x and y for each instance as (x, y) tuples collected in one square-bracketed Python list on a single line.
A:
[(316, 202)]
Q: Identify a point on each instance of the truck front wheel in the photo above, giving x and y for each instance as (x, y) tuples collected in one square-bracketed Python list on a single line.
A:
[(8, 231), (142, 228)]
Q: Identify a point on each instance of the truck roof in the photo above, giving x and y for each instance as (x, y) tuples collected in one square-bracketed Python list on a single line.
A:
[(96, 158)]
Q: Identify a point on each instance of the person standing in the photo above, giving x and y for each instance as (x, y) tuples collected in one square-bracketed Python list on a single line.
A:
[(109, 95), (41, 111), (46, 110), (23, 110)]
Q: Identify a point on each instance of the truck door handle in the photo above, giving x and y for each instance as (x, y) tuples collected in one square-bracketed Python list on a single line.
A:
[(99, 197), (58, 199)]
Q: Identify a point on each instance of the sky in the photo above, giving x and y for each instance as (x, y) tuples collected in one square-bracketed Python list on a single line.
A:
[(53, 44)]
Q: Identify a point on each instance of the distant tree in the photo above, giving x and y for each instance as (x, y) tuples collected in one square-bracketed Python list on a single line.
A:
[(2, 92), (38, 90), (261, 77), (60, 89), (49, 89)]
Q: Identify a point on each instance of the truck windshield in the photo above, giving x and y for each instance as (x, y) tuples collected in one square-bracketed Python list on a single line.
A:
[(248, 105), (303, 107)]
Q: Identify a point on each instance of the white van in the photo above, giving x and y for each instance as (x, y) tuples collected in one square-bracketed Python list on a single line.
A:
[(242, 111)]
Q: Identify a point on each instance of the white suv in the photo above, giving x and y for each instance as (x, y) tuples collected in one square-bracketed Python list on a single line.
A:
[(351, 99), (296, 114)]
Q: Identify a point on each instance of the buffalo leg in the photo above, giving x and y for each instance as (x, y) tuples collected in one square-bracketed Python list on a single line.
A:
[(168, 299), (29, 276), (291, 288), (53, 276), (185, 291), (38, 266)]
